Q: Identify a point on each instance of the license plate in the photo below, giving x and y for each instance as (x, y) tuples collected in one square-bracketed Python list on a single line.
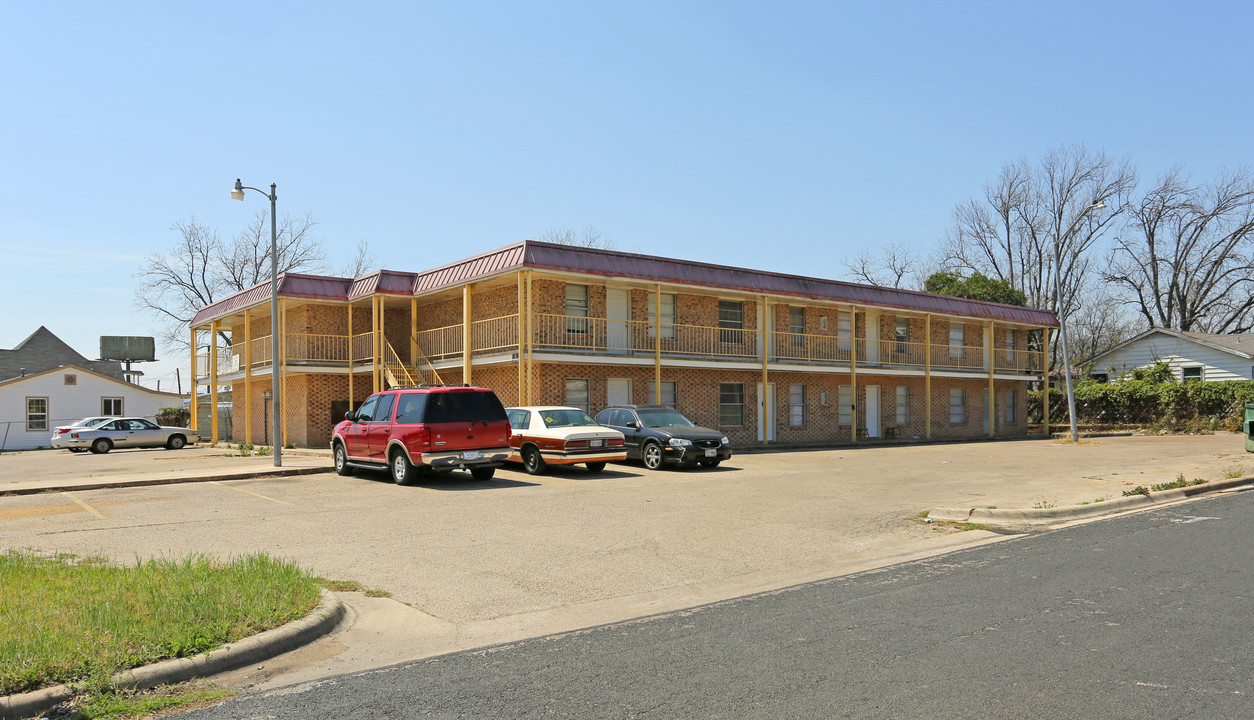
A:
[(711, 452), (470, 455), (596, 443)]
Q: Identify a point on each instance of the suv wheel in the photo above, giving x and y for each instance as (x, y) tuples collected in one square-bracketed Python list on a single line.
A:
[(482, 473), (532, 462), (403, 472), (651, 455), (341, 460)]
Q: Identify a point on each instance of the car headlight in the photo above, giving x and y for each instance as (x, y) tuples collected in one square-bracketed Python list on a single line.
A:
[(725, 441), (680, 442)]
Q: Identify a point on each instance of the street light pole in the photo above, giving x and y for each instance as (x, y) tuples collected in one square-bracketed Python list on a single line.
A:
[(277, 431), (1062, 320)]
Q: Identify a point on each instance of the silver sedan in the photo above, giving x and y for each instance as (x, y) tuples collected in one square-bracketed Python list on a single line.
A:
[(130, 433)]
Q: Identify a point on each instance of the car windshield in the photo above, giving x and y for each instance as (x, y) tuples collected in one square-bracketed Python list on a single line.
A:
[(566, 418), (663, 418)]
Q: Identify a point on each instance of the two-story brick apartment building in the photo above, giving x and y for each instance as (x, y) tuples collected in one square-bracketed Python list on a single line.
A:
[(762, 356)]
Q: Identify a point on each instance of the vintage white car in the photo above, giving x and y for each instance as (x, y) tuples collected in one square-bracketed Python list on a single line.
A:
[(554, 435), (129, 433)]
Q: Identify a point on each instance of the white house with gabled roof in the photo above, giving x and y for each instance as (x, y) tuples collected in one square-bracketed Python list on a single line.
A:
[(32, 405), (1193, 356)]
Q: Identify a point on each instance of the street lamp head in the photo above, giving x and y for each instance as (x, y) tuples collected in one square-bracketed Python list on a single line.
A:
[(238, 192)]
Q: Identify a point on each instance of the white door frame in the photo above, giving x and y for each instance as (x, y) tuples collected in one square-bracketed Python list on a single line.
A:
[(873, 421), (618, 316), (770, 413)]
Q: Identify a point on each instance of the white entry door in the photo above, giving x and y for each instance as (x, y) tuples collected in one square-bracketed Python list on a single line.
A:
[(872, 338), (617, 392), (766, 430), (872, 411), (617, 313)]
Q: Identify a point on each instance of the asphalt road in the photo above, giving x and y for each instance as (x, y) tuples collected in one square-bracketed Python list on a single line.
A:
[(1142, 616)]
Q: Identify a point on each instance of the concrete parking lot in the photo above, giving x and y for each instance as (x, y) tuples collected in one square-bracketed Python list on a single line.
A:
[(520, 555)]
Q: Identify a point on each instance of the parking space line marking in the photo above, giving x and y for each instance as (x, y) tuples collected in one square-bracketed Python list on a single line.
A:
[(250, 492), (86, 507)]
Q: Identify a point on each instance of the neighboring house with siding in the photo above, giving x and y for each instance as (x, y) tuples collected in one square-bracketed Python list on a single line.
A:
[(33, 404), (1191, 356), (762, 356)]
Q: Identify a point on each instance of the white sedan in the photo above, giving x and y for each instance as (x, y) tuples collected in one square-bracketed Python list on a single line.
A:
[(61, 433), (128, 433), (554, 435)]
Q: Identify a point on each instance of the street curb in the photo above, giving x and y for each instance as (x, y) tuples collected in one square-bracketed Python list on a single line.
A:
[(1046, 517), (167, 481), (255, 648)]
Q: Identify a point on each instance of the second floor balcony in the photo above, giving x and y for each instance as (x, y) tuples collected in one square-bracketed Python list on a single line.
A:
[(592, 336)]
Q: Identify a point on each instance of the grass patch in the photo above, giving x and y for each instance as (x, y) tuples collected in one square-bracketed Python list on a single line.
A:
[(351, 586), (116, 705), (1138, 490), (69, 620), (1233, 471)]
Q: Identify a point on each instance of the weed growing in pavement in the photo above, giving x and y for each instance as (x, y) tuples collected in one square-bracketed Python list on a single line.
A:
[(351, 586), (146, 703), (246, 449), (1042, 505), (992, 507), (1138, 490), (1179, 482), (1233, 471), (263, 450)]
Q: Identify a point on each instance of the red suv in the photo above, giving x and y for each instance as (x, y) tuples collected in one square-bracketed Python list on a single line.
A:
[(421, 429)]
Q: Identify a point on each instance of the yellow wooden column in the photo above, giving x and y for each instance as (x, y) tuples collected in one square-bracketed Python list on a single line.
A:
[(352, 369), (531, 340), (248, 376), (413, 335), (991, 344), (286, 405), (213, 380), (467, 335), (376, 344), (927, 377), (853, 373), (1045, 376), (518, 331), (195, 407), (657, 345), (766, 341)]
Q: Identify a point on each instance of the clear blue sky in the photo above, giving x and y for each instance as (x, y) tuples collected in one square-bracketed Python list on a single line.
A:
[(782, 136)]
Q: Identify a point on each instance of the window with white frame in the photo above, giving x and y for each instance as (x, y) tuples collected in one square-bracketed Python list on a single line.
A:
[(824, 398), (668, 315), (957, 405), (731, 404), (903, 405), (577, 394), (796, 405), (576, 309), (797, 325), (1011, 340), (731, 321), (957, 338), (1012, 405), (844, 399), (670, 393), (903, 336), (823, 322), (1192, 374), (36, 413), (844, 331), (111, 406)]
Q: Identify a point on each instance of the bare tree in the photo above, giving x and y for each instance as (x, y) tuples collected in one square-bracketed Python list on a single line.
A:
[(1094, 328), (896, 265), (1186, 257), (362, 262), (1010, 233), (200, 268), (587, 237)]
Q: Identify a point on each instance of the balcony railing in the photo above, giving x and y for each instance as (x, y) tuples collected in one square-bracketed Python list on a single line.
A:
[(597, 336)]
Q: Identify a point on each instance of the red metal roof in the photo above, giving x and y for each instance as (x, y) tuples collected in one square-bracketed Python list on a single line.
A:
[(611, 263)]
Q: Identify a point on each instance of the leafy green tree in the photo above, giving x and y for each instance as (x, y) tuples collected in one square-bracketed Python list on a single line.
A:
[(975, 287)]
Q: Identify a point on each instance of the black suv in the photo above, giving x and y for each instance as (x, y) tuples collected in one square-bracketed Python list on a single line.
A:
[(657, 434)]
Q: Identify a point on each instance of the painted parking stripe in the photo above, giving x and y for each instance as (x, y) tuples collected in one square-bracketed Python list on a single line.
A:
[(250, 492), (86, 507)]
